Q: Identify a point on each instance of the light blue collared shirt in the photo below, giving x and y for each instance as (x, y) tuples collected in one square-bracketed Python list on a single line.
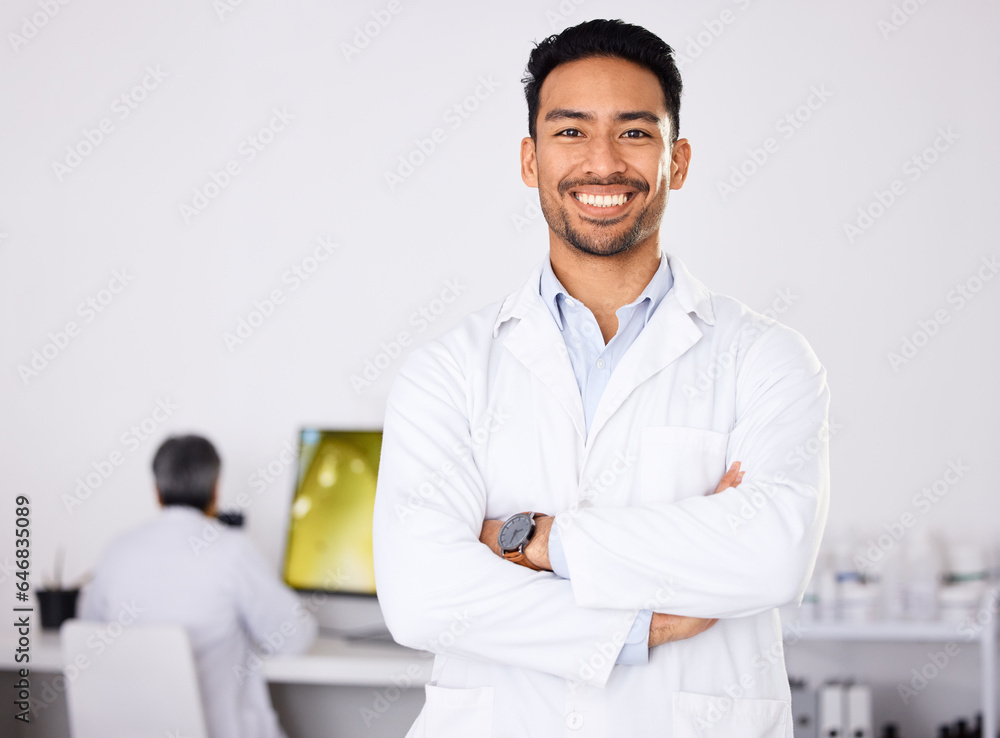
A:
[(593, 362)]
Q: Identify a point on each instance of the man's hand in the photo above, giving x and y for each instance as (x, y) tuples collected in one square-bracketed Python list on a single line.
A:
[(665, 628), (488, 536), (537, 549)]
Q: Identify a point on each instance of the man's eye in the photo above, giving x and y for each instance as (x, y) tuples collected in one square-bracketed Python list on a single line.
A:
[(635, 133), (570, 133)]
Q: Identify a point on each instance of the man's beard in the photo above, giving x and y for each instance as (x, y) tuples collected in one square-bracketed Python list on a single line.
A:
[(608, 240)]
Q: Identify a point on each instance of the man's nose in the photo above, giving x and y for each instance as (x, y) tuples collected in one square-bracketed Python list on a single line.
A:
[(603, 157)]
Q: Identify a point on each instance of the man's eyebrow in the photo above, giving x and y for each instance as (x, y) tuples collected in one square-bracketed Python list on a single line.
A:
[(646, 115), (622, 116), (560, 113)]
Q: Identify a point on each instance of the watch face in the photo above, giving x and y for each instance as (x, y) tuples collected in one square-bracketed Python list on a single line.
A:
[(514, 532)]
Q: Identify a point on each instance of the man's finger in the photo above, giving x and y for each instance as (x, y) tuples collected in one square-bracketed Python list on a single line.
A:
[(731, 478)]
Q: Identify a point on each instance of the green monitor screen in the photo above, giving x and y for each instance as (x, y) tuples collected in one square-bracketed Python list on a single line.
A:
[(330, 531)]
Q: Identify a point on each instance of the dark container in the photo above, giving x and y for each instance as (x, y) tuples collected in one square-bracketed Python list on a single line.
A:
[(57, 606)]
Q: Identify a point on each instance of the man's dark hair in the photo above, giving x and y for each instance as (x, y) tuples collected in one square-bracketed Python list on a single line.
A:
[(186, 470), (605, 38)]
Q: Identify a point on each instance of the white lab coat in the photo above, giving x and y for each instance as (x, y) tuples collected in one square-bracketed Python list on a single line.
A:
[(186, 569), (487, 421)]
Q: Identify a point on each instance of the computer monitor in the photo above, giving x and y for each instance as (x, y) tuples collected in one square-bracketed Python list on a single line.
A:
[(329, 545)]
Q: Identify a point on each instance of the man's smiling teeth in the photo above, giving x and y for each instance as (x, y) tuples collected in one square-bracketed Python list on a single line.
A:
[(601, 201)]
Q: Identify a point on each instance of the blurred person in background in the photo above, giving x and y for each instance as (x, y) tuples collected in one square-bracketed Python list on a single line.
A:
[(187, 569)]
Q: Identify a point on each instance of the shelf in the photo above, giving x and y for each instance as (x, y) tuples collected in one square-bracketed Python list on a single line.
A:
[(908, 631), (902, 631)]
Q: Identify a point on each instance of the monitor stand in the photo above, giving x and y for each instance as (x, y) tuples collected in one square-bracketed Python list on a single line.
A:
[(352, 617)]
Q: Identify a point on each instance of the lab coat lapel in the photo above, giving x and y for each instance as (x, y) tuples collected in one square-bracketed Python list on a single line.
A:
[(537, 343), (670, 332)]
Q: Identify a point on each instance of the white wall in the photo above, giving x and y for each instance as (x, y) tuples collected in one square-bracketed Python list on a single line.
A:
[(324, 175)]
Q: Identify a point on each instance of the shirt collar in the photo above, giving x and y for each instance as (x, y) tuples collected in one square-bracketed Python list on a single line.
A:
[(182, 511), (691, 295), (554, 294)]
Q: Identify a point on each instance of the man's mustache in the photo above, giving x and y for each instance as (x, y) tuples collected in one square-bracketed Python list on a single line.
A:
[(572, 184)]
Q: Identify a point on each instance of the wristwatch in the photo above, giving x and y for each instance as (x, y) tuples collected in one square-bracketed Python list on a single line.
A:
[(514, 536)]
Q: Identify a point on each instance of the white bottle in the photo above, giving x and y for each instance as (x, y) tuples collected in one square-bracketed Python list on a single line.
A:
[(892, 577), (856, 597), (826, 588), (965, 582), (923, 565)]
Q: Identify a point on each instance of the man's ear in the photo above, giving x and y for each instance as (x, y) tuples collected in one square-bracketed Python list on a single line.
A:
[(680, 159), (159, 497), (213, 505), (529, 164)]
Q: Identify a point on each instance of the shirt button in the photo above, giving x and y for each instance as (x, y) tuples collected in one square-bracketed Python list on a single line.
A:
[(574, 721), (600, 363), (569, 301)]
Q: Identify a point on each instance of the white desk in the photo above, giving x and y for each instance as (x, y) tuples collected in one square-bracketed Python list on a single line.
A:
[(338, 688), (329, 661)]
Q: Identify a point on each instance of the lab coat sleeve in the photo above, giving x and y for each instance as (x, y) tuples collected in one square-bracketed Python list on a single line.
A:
[(440, 588), (92, 604), (270, 611), (746, 549)]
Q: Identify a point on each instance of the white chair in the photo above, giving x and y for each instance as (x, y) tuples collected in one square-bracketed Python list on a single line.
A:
[(137, 681)]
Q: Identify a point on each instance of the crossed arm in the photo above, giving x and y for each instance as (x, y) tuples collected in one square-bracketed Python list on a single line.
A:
[(663, 627), (433, 570)]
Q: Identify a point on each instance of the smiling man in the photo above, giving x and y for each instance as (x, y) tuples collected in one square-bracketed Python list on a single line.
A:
[(596, 564)]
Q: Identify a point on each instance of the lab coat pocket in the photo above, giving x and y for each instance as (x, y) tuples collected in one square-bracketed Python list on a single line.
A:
[(704, 716), (677, 462), (458, 713)]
